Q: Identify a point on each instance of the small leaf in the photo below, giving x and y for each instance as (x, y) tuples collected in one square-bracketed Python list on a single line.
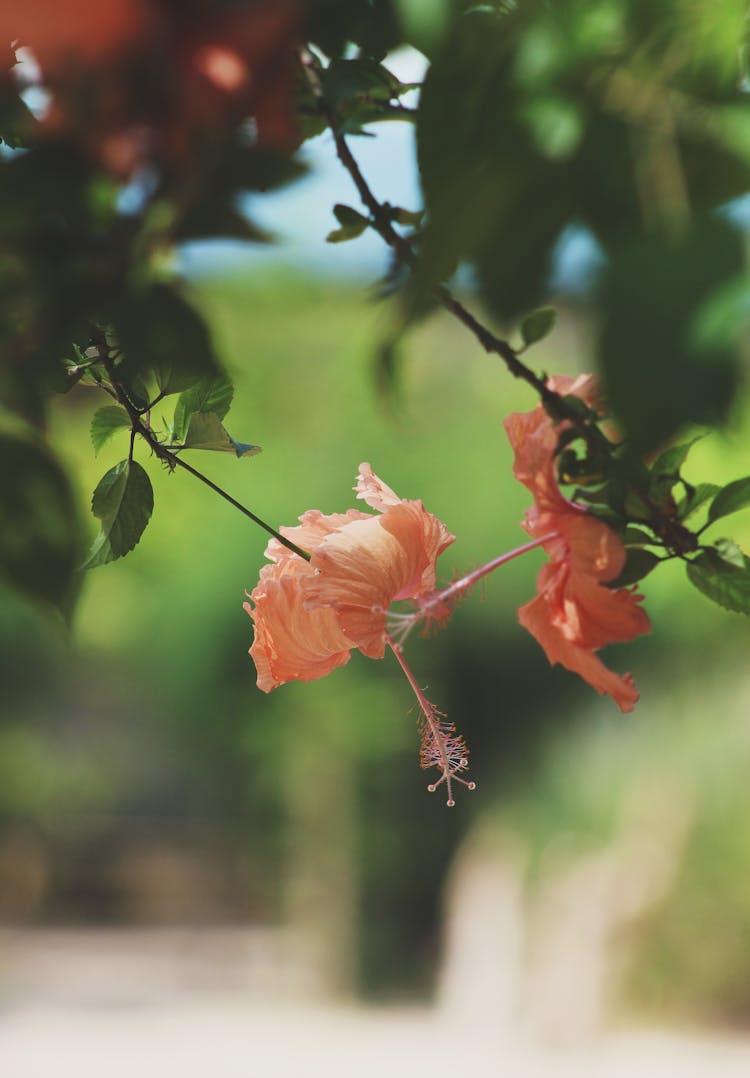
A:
[(537, 324), (348, 217), (123, 501), (722, 583), (413, 218), (731, 498), (245, 449), (638, 563), (214, 395), (206, 432), (730, 553), (341, 235), (105, 422)]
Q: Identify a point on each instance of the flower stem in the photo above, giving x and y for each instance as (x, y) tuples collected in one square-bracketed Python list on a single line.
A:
[(436, 607), (470, 579), (238, 505)]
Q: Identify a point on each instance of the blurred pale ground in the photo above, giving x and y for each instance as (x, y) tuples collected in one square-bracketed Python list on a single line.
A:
[(198, 879)]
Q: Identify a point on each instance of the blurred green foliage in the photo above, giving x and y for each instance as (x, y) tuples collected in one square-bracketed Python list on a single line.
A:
[(153, 727)]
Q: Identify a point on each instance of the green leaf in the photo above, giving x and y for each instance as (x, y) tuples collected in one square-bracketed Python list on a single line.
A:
[(721, 582), (537, 324), (671, 460), (352, 223), (638, 563), (412, 218), (665, 471), (348, 217), (105, 422), (212, 395), (730, 499), (695, 497), (352, 80), (39, 540), (633, 536), (730, 553), (206, 432), (123, 501), (341, 235)]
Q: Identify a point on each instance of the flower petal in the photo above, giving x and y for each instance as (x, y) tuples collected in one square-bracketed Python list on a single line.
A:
[(314, 526), (373, 490), (533, 440), (539, 619), (359, 570), (292, 643)]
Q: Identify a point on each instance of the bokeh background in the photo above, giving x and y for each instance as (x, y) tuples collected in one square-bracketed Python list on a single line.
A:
[(198, 878)]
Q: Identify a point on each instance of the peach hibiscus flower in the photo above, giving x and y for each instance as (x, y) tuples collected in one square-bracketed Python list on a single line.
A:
[(308, 616), (574, 613)]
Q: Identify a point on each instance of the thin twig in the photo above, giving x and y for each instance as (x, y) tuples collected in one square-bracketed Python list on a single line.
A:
[(381, 222), (168, 456)]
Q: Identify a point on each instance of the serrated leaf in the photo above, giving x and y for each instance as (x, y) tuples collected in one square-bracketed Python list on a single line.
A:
[(730, 553), (722, 583), (105, 422), (206, 432), (214, 395), (123, 501), (638, 563), (730, 499), (536, 325)]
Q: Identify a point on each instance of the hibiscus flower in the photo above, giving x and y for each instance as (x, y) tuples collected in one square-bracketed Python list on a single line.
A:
[(574, 613), (309, 616)]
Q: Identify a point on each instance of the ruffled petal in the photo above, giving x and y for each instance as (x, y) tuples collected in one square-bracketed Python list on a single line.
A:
[(540, 620), (412, 525), (373, 490), (292, 643), (314, 526), (533, 440), (360, 569), (594, 549)]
